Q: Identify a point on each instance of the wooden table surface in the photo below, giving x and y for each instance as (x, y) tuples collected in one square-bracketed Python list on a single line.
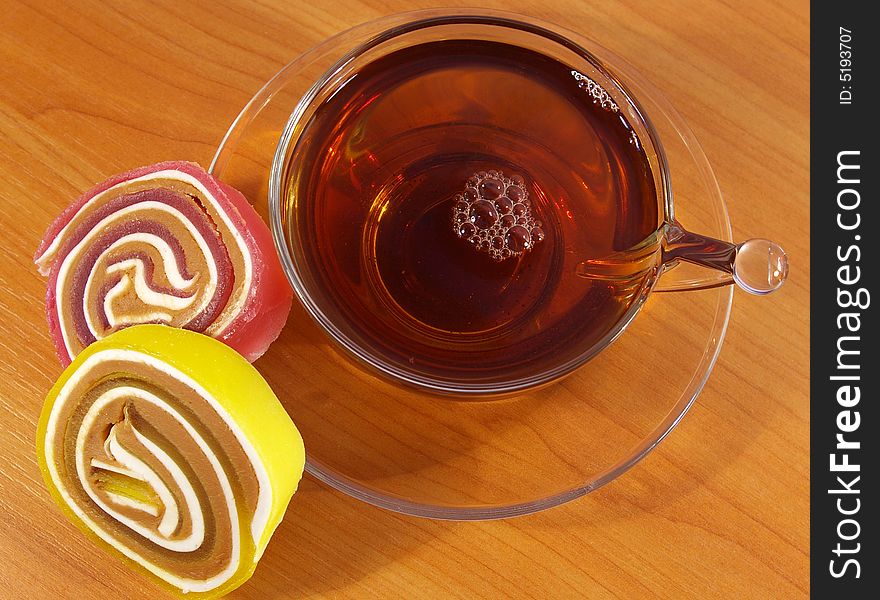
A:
[(90, 88)]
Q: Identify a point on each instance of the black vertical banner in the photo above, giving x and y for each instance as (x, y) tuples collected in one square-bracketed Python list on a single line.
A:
[(845, 232)]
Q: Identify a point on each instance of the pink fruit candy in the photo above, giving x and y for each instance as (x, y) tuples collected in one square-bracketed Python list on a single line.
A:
[(167, 244)]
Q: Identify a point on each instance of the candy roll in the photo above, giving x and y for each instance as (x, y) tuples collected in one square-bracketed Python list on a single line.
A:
[(165, 244), (170, 451)]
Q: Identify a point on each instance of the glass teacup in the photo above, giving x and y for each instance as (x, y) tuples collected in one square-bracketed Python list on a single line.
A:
[(351, 177)]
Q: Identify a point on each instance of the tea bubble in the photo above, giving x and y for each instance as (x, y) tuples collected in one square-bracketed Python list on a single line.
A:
[(466, 230), (503, 204), (483, 214), (518, 239), (515, 193), (493, 214), (491, 188), (537, 234)]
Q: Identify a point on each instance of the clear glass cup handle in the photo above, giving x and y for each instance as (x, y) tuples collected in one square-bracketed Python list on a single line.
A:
[(758, 266)]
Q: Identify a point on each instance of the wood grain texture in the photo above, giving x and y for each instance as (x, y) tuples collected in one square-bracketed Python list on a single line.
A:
[(719, 510)]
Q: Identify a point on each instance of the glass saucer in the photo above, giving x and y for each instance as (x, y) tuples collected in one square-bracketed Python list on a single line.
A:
[(443, 458)]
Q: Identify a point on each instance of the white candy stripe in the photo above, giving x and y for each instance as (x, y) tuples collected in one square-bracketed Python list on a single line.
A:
[(171, 516), (169, 266), (235, 305), (116, 321), (142, 288), (123, 500), (151, 510), (105, 466), (143, 238), (169, 260), (170, 510), (264, 499), (138, 319)]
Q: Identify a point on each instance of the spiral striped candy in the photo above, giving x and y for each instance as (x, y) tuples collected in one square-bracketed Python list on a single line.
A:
[(163, 244), (170, 450)]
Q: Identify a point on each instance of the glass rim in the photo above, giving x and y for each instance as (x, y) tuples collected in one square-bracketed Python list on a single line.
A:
[(414, 21)]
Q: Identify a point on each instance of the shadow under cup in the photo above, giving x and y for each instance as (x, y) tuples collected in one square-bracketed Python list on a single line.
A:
[(377, 152)]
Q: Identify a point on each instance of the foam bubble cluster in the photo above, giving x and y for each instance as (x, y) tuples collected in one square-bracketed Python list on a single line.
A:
[(494, 214)]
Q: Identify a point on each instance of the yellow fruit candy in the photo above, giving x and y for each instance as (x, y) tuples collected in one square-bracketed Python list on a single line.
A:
[(170, 450)]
